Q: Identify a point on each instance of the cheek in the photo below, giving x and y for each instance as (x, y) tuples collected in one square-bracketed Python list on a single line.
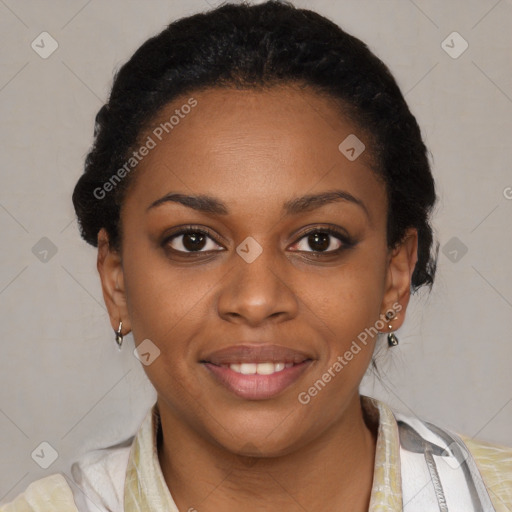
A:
[(347, 308), (167, 303), (159, 296), (166, 307), (351, 295), (174, 306)]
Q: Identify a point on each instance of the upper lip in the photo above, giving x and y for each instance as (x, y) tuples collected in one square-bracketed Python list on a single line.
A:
[(256, 354)]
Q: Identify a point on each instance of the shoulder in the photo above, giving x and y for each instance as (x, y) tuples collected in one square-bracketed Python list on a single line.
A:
[(99, 476), (96, 484), (494, 462), (487, 463), (49, 494)]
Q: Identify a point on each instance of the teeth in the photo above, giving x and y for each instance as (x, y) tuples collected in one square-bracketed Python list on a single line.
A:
[(265, 368), (248, 368), (259, 368)]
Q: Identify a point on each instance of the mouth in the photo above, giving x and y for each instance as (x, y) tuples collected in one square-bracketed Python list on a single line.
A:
[(256, 372), (268, 368)]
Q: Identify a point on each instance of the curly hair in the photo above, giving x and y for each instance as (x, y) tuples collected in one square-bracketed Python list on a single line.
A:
[(260, 46)]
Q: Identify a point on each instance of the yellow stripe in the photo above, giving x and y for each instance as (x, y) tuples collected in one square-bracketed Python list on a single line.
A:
[(495, 465)]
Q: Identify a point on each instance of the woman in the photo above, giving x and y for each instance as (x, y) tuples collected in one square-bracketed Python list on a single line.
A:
[(260, 197)]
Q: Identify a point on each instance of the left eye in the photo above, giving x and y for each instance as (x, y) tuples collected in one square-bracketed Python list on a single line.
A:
[(321, 241)]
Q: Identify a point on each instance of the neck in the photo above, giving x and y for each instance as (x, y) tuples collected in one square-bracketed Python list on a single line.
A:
[(333, 472)]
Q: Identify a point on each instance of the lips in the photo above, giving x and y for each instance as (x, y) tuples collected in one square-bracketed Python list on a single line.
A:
[(256, 372), (256, 354)]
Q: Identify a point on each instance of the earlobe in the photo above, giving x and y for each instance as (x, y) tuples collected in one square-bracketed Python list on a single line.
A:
[(401, 264), (109, 265)]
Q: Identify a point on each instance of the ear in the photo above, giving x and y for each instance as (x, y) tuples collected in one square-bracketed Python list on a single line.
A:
[(401, 263), (109, 265)]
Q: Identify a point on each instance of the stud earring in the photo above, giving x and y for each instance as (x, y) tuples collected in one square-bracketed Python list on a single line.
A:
[(392, 339), (119, 335)]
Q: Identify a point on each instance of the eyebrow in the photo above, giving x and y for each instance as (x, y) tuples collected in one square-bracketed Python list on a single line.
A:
[(212, 205)]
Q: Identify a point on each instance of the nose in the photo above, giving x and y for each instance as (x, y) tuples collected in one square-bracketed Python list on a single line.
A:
[(259, 291)]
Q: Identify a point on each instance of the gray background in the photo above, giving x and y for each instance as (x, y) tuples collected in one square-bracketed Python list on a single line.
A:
[(63, 380)]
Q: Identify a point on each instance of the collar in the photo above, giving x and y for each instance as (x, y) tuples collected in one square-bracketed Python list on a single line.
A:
[(145, 487)]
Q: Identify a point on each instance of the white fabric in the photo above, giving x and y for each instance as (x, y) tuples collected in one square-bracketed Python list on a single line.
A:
[(98, 479), (455, 477)]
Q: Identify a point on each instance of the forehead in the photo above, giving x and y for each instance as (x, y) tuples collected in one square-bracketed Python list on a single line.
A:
[(276, 142)]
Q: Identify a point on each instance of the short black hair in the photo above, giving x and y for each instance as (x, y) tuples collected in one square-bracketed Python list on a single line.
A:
[(260, 46)]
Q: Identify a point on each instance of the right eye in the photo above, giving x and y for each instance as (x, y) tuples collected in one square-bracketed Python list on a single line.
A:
[(190, 240)]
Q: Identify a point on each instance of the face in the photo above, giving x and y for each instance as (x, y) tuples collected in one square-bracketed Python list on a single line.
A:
[(284, 266)]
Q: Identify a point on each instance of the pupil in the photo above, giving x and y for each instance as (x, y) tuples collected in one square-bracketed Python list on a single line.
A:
[(197, 241), (321, 239)]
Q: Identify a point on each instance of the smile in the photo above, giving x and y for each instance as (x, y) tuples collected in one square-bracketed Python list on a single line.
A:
[(268, 368), (257, 381), (256, 371)]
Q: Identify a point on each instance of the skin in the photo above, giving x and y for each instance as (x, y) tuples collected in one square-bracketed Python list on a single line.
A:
[(254, 150)]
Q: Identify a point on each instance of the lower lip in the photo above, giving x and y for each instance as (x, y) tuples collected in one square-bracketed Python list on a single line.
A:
[(257, 387)]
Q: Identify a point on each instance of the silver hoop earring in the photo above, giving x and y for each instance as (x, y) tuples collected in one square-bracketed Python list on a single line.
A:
[(119, 335)]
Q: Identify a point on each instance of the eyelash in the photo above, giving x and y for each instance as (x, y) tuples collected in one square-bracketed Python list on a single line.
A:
[(346, 241)]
